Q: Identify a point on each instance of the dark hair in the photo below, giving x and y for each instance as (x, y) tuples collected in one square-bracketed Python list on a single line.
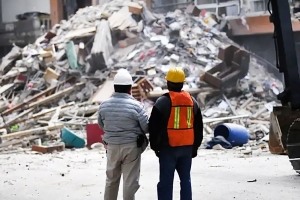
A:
[(175, 87), (122, 88)]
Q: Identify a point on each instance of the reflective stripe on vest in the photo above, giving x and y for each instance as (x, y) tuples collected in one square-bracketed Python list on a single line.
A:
[(177, 117), (181, 120)]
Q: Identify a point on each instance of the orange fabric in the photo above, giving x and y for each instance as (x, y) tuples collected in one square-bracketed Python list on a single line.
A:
[(181, 121)]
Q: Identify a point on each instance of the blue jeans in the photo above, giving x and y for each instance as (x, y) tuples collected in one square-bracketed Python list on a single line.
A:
[(171, 159)]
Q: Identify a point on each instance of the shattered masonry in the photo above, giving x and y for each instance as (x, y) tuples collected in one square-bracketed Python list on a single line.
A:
[(60, 80)]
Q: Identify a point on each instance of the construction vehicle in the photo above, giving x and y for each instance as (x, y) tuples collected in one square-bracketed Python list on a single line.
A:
[(285, 120)]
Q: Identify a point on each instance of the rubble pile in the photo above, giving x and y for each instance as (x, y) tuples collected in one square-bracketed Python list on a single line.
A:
[(59, 81)]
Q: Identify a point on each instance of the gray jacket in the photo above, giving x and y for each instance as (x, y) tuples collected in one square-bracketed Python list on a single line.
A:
[(122, 119)]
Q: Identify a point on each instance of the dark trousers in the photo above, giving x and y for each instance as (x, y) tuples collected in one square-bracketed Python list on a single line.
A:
[(171, 159)]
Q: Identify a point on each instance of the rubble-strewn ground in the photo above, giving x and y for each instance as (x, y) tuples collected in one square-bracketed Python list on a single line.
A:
[(59, 81), (80, 175)]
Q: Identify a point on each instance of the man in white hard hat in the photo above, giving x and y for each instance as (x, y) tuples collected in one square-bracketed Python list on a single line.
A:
[(125, 122)]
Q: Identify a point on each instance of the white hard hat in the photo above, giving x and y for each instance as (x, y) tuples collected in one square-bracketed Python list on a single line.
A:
[(123, 78)]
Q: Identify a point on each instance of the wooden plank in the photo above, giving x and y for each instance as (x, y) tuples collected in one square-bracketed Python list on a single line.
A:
[(250, 121), (45, 112), (246, 103), (12, 121), (21, 105), (48, 149), (79, 111), (56, 95), (37, 115), (209, 120), (232, 109), (29, 132)]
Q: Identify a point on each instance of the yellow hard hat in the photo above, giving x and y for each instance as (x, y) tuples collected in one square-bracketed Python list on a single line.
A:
[(175, 75)]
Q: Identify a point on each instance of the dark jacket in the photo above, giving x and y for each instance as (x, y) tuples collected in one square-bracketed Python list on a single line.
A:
[(158, 123)]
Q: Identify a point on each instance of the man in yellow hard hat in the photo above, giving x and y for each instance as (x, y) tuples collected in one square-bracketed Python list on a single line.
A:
[(176, 132)]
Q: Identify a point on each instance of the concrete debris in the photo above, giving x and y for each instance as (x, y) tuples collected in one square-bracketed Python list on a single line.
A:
[(57, 83)]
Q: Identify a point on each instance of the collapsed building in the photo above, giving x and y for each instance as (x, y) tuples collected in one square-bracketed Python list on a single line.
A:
[(51, 89)]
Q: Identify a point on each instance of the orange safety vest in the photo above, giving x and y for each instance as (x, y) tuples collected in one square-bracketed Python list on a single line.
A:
[(181, 121)]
